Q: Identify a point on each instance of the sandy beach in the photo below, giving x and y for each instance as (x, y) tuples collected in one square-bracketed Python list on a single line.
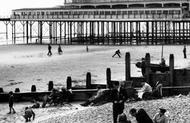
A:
[(25, 65)]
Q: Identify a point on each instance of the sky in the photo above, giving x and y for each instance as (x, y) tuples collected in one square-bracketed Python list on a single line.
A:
[(7, 5)]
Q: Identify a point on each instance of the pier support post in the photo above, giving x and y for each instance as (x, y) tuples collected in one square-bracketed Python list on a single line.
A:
[(27, 37), (147, 70), (171, 63), (31, 23), (50, 32), (40, 31), (127, 67), (88, 80), (108, 77), (69, 82), (50, 85), (6, 24)]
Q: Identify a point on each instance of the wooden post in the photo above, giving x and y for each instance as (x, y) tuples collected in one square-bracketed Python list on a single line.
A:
[(108, 77), (127, 66), (171, 70), (17, 90), (50, 85), (27, 37), (1, 90), (69, 82), (33, 88), (88, 80), (147, 70)]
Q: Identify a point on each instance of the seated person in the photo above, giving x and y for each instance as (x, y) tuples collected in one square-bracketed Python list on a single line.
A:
[(92, 100), (36, 104), (145, 91), (66, 95), (157, 91), (161, 117), (163, 62), (122, 118), (29, 114), (140, 115)]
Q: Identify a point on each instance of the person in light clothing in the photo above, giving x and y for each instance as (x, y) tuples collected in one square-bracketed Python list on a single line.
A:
[(160, 117), (145, 90)]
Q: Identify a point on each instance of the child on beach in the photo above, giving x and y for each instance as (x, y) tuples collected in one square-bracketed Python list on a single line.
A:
[(11, 101), (29, 114), (59, 50), (49, 50)]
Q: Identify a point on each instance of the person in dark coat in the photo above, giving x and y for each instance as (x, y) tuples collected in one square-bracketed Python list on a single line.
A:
[(11, 102), (49, 50), (184, 52), (59, 50), (118, 99), (117, 52), (141, 116)]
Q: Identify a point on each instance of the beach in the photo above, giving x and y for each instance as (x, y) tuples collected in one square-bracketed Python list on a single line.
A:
[(25, 65)]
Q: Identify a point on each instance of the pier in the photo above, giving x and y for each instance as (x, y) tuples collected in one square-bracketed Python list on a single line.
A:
[(124, 22)]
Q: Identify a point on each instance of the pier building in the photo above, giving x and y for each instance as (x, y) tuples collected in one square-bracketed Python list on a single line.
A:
[(106, 22)]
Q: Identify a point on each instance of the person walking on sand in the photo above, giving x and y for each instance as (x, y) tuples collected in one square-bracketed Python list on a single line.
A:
[(49, 50), (59, 50), (117, 52), (11, 102), (184, 52)]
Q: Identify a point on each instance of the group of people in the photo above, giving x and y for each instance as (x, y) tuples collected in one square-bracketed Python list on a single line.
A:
[(147, 92), (59, 50), (119, 97), (56, 97), (141, 116), (28, 113)]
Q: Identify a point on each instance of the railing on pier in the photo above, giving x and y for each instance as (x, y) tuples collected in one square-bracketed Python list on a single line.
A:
[(116, 1), (108, 16)]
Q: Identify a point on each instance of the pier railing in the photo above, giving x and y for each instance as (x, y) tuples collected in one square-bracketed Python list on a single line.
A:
[(124, 16), (116, 1)]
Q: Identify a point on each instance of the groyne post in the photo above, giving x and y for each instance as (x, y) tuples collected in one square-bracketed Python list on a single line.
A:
[(1, 90), (108, 77), (147, 70), (69, 82), (33, 88), (17, 90), (127, 67), (171, 63), (50, 85), (88, 80)]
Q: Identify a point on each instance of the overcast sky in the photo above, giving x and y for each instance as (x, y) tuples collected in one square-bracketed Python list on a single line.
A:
[(7, 5)]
